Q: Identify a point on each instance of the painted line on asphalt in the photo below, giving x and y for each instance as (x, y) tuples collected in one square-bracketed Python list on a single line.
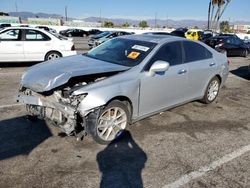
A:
[(10, 105), (203, 170), (11, 73)]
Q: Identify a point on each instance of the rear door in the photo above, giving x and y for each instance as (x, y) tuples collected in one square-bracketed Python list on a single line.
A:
[(11, 46), (231, 46), (200, 67), (36, 45)]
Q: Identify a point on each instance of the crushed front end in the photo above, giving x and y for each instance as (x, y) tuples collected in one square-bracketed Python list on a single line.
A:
[(57, 107)]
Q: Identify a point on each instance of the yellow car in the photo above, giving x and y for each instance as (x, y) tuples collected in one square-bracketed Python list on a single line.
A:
[(194, 34)]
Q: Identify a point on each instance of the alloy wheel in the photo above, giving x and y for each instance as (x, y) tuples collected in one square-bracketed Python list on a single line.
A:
[(111, 123), (53, 56), (213, 90)]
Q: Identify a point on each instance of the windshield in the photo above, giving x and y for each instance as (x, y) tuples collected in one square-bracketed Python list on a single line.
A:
[(121, 51), (105, 33)]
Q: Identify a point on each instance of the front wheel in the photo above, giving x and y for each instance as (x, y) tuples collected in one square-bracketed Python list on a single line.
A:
[(109, 123), (212, 91)]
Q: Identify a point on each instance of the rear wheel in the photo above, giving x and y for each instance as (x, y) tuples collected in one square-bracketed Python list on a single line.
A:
[(212, 91), (245, 53), (52, 56), (109, 123)]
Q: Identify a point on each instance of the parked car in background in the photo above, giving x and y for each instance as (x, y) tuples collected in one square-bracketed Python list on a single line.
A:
[(74, 33), (2, 26), (94, 38), (156, 33), (32, 44), (232, 45), (23, 25), (228, 35), (46, 29), (120, 82), (194, 34), (179, 32), (103, 37), (94, 32)]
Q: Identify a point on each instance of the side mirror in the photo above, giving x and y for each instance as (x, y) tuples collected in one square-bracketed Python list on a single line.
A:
[(158, 66)]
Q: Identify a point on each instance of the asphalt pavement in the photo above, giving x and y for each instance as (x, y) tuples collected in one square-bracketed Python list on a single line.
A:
[(194, 145)]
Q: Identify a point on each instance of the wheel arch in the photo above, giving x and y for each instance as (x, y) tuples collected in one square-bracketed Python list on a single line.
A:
[(219, 77), (126, 101)]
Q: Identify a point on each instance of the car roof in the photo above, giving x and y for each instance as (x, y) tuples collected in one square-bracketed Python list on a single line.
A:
[(153, 38), (16, 27)]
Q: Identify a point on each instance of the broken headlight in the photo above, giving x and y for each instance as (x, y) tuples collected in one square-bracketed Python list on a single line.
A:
[(76, 99)]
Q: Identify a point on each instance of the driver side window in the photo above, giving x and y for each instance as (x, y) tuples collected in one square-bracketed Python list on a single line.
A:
[(171, 53), (11, 35)]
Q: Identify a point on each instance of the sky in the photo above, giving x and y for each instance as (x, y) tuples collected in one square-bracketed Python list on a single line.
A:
[(238, 10)]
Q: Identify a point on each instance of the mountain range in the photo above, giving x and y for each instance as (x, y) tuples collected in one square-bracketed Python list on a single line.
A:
[(120, 21)]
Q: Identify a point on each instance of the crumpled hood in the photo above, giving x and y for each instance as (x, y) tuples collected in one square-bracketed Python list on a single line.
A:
[(51, 74)]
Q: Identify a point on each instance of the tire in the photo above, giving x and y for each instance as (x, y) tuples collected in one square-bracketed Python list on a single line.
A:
[(212, 91), (69, 35), (52, 56), (245, 53), (104, 128)]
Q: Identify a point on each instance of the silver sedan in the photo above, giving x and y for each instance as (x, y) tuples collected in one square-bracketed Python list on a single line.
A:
[(122, 81)]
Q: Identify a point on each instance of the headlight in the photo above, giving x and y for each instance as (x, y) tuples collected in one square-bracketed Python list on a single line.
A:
[(76, 99)]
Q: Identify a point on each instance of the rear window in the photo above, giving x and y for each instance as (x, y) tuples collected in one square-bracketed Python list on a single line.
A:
[(195, 52), (33, 35)]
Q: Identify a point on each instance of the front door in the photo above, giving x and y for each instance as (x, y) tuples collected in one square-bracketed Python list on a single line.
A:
[(164, 89), (11, 46)]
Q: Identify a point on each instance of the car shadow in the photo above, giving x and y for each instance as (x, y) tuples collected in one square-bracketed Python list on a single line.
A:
[(242, 72), (121, 163), (19, 136)]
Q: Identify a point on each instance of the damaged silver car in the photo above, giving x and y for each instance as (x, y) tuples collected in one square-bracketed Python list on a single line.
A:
[(122, 81)]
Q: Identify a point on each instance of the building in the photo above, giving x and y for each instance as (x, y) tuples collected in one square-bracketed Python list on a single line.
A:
[(241, 28), (9, 20)]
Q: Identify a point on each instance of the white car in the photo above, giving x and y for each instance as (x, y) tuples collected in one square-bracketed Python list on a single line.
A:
[(18, 44)]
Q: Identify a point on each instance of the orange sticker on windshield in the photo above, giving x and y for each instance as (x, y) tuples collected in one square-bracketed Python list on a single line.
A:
[(133, 55)]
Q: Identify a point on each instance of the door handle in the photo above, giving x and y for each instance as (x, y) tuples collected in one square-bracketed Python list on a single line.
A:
[(212, 64), (183, 71)]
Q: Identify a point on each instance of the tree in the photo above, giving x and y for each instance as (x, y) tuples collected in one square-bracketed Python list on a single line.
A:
[(125, 24), (143, 24), (196, 27), (108, 24), (248, 32), (224, 27)]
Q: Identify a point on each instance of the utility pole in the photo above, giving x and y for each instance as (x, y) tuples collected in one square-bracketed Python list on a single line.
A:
[(16, 6), (167, 22), (209, 13), (66, 13), (100, 16), (155, 19)]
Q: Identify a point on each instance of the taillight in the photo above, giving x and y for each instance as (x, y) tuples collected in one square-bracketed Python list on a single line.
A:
[(73, 48), (220, 43)]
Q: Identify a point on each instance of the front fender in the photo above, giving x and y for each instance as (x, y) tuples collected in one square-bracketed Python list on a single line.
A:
[(100, 96)]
